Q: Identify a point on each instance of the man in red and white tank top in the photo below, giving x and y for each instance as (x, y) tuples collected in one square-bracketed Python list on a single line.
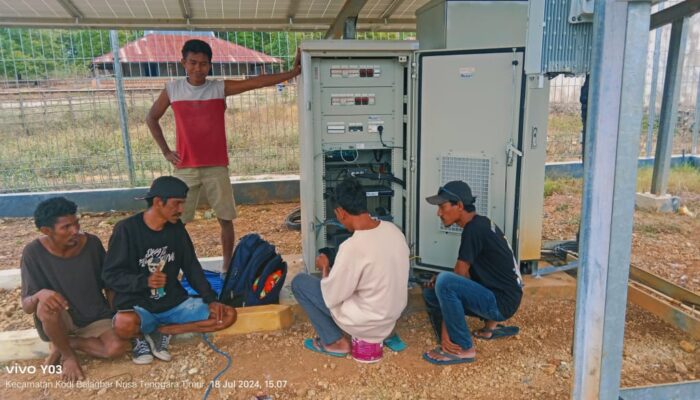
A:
[(201, 153)]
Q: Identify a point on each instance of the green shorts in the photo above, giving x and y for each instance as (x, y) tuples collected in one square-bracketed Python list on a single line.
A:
[(216, 186)]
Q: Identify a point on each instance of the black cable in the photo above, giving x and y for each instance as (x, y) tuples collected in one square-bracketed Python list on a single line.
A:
[(382, 177), (380, 128), (293, 220)]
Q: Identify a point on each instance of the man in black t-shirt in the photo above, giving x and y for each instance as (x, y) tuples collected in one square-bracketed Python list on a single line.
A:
[(486, 281), (63, 289), (146, 253)]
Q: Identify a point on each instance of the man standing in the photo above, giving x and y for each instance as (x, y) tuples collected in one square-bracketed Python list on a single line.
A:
[(486, 281), (62, 287), (147, 251), (366, 290), (201, 155)]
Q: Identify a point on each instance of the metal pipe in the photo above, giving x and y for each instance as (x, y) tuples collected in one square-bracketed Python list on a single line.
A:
[(651, 113), (669, 106), (696, 122), (614, 122), (123, 120)]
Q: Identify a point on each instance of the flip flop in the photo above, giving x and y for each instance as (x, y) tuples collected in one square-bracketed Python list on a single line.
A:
[(500, 331), (315, 345), (394, 343), (452, 358)]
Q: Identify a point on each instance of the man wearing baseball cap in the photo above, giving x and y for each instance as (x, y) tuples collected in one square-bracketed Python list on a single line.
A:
[(146, 253), (486, 281)]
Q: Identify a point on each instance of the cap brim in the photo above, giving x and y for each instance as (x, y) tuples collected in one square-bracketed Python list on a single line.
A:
[(436, 200)]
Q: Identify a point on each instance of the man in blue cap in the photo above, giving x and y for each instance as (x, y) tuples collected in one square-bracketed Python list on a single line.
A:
[(485, 283), (146, 253)]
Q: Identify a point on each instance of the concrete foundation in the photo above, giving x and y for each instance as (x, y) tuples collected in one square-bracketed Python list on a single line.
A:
[(10, 279), (651, 202)]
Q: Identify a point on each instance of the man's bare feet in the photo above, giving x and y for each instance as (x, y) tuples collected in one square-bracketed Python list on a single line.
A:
[(71, 370), (54, 357)]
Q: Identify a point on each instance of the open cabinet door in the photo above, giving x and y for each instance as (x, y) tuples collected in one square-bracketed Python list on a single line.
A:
[(469, 127)]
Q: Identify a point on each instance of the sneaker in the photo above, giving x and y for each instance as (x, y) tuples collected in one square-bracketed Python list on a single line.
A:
[(141, 354), (159, 345)]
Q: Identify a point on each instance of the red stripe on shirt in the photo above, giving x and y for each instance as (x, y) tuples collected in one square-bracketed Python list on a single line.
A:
[(201, 133)]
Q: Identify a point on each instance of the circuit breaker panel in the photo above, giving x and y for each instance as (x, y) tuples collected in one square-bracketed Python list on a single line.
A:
[(354, 123)]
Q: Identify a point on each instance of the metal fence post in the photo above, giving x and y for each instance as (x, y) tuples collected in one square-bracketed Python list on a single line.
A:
[(651, 113), (696, 122), (123, 120), (669, 106), (612, 147)]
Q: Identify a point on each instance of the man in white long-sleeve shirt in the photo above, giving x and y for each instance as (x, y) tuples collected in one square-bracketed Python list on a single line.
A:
[(366, 291)]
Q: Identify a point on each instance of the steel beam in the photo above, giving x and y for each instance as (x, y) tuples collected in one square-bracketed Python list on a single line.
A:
[(696, 122), (71, 9), (651, 111), (663, 286), (351, 9), (261, 24), (389, 11), (686, 9), (121, 101), (185, 9), (670, 391), (673, 314), (612, 147), (293, 8), (669, 106)]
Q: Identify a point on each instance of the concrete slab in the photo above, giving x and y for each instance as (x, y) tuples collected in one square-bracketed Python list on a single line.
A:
[(22, 345), (651, 202), (10, 279)]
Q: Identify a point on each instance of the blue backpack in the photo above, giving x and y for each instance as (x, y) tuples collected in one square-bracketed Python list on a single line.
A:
[(256, 274)]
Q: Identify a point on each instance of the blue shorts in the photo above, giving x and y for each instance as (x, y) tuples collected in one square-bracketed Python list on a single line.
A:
[(191, 310)]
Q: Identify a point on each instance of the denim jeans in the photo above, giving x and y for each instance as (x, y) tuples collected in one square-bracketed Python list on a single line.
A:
[(454, 297), (191, 310), (307, 291)]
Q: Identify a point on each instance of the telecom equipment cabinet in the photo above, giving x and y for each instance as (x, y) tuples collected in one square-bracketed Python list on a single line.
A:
[(478, 118), (406, 122), (353, 107)]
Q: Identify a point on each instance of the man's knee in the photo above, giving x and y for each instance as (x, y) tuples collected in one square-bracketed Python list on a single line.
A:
[(127, 325), (46, 316), (299, 282), (116, 347), (442, 283)]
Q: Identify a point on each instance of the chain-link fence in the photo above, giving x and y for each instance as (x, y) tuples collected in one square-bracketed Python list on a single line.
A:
[(564, 131), (59, 111), (60, 121)]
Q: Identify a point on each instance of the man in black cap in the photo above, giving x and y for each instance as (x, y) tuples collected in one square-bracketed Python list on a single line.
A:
[(486, 281), (146, 253)]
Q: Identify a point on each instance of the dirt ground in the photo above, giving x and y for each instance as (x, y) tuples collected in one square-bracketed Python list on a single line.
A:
[(535, 364), (666, 244)]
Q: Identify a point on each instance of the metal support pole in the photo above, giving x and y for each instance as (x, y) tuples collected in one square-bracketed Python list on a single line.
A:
[(614, 123), (123, 120), (669, 106), (350, 28), (651, 113), (696, 122)]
